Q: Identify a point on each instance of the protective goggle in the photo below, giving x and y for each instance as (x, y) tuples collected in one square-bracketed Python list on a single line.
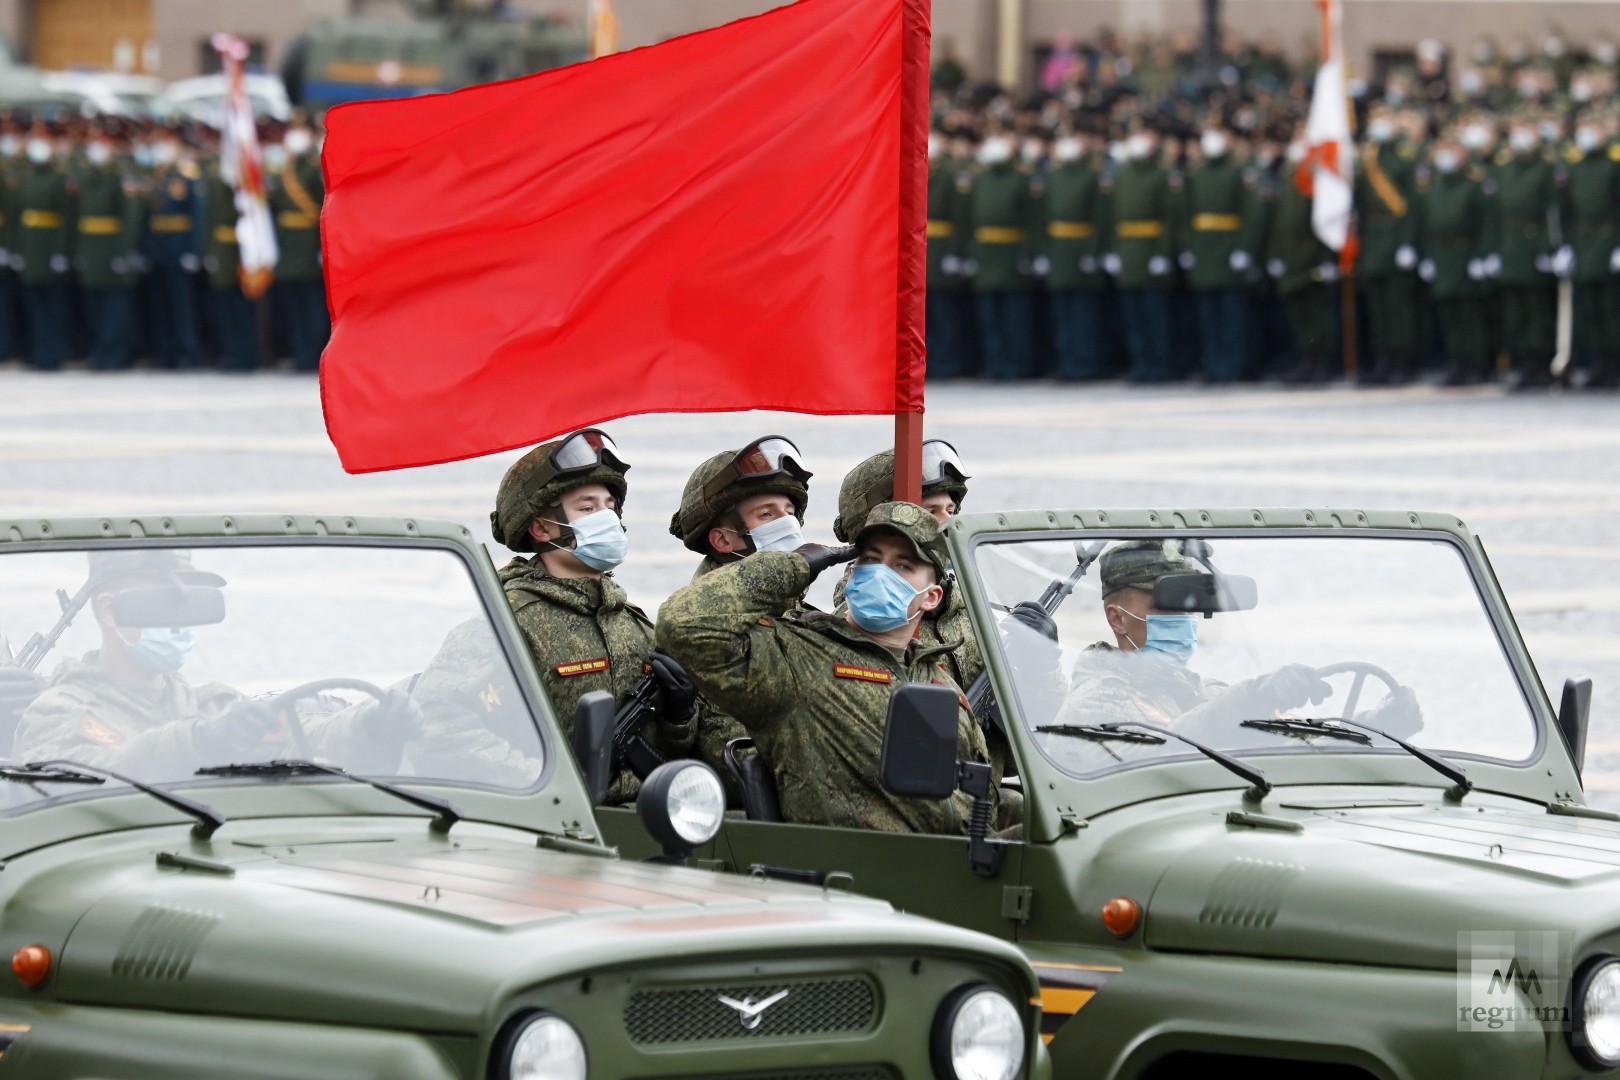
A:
[(585, 450), (940, 458), (769, 456)]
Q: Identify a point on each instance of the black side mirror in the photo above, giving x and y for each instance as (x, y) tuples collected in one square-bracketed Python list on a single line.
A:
[(592, 742), (1573, 713), (169, 605), (1205, 593), (919, 742)]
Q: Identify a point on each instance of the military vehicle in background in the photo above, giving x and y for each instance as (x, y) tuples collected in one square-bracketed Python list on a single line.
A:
[(444, 45)]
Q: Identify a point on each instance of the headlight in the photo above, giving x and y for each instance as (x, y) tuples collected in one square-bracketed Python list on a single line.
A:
[(978, 1035), (1595, 1034), (681, 805), (545, 1047)]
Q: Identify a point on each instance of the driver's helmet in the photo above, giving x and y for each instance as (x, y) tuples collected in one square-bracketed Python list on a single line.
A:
[(1141, 563), (872, 482), (767, 466), (541, 477), (174, 563)]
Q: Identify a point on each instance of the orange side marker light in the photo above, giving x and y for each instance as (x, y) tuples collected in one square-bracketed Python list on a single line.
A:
[(1120, 915), (32, 963)]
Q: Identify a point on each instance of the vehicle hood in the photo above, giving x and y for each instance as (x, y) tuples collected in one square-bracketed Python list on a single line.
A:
[(1370, 884), (432, 935)]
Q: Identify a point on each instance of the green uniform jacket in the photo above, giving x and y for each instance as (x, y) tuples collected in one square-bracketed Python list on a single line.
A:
[(221, 255), (1593, 201), (585, 635), (1528, 188), (1141, 214), (1071, 232), (107, 228), (1384, 216), (298, 234), (813, 690), (44, 225), (946, 191), (1000, 213), (1454, 231), (1219, 214)]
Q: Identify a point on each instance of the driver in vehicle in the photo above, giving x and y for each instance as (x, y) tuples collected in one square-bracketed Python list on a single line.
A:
[(126, 706)]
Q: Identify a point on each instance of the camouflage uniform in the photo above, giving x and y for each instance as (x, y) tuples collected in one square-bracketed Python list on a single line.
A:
[(812, 689), (474, 719)]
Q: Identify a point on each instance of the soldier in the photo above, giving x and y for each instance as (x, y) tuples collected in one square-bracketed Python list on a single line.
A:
[(294, 191), (1304, 270), (813, 689), (1074, 282), (231, 311), (44, 240), (1139, 203), (1388, 256), (947, 326), (1000, 261), (172, 248), (1455, 244), (1218, 234), (563, 502), (108, 227), (742, 501), (1593, 233), (1529, 187)]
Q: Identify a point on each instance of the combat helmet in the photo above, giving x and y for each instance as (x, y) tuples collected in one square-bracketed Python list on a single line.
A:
[(872, 482), (541, 477), (767, 466)]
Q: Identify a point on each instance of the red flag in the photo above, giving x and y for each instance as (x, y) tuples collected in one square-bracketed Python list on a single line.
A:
[(729, 220)]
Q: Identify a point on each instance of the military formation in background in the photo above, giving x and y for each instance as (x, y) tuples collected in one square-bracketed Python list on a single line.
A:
[(1127, 221), (119, 248)]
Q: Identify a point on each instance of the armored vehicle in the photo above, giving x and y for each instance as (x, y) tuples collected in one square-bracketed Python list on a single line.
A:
[(1294, 801), (293, 806)]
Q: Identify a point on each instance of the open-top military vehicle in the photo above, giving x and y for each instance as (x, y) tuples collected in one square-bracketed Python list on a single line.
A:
[(294, 806), (1331, 826)]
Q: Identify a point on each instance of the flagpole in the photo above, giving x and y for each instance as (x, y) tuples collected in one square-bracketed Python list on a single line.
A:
[(910, 344)]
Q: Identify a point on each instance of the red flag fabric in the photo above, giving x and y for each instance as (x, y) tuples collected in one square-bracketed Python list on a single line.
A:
[(709, 224)]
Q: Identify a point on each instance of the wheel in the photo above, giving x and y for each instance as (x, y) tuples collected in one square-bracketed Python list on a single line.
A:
[(282, 703), (1362, 669)]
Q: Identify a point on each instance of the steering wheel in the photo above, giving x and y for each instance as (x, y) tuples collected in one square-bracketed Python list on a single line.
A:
[(1362, 669), (282, 702)]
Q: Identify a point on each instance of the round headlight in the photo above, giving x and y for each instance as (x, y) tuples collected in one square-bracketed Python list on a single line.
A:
[(1597, 1018), (546, 1047), (979, 1036), (681, 805)]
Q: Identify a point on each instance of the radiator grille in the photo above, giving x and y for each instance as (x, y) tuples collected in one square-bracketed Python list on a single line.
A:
[(696, 1014)]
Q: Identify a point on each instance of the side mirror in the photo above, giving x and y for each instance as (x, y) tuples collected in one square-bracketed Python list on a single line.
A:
[(919, 742), (592, 742), (1573, 713), (1205, 593), (169, 605)]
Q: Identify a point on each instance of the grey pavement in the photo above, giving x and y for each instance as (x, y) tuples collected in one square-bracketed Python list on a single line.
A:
[(1538, 477)]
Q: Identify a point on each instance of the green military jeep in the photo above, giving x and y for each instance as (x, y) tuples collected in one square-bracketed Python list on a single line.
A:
[(293, 806), (1331, 826)]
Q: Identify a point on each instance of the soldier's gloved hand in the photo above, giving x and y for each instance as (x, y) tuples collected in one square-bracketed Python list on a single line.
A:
[(59, 264), (1426, 270), (389, 724), (951, 264), (1493, 265), (1042, 266), (1112, 264), (1406, 256), (241, 728), (1397, 714), (18, 689), (680, 696), (820, 556), (1186, 260), (1276, 267), (1289, 686), (1563, 262), (189, 263), (1328, 271), (1158, 266), (1614, 261), (1476, 270), (1035, 617), (1239, 262)]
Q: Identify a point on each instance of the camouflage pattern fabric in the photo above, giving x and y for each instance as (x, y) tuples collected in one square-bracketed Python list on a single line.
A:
[(696, 513), (531, 484), (585, 635), (1140, 563), (811, 689), (872, 482), (472, 714)]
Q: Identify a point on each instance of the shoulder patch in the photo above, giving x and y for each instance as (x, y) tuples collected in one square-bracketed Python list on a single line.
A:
[(570, 668), (98, 732), (864, 674)]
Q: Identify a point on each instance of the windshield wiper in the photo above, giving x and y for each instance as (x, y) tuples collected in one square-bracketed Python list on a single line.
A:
[(1461, 785), (1259, 788), (76, 772), (38, 773), (1101, 733), (1289, 725), (445, 814)]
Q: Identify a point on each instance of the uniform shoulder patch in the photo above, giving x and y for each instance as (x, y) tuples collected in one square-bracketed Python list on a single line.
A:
[(864, 674), (98, 732), (569, 668)]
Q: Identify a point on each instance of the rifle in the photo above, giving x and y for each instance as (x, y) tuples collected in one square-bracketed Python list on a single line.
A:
[(630, 746), (981, 695), (35, 648)]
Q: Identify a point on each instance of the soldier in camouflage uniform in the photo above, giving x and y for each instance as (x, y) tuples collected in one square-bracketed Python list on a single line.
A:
[(1593, 233), (582, 630), (814, 689)]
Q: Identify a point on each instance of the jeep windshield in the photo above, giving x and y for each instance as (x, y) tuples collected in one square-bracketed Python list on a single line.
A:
[(1252, 645), (378, 660)]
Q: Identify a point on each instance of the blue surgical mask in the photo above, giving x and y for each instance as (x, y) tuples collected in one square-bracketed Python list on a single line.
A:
[(879, 598), (599, 540), (1173, 636), (163, 650), (780, 534)]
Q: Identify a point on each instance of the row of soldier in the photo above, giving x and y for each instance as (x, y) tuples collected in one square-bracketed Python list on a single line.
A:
[(119, 244)]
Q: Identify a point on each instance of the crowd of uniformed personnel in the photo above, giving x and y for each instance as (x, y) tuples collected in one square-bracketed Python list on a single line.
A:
[(119, 247), (1129, 220)]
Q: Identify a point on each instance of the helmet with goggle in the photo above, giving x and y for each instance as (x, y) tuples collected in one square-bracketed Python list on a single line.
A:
[(541, 477), (770, 465), (871, 483)]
